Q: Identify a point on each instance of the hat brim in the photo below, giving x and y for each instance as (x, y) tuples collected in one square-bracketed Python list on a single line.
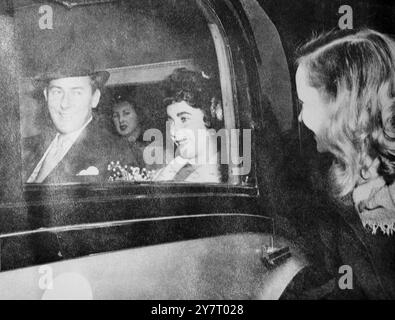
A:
[(99, 77)]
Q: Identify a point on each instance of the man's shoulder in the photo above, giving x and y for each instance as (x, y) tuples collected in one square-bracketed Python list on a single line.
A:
[(46, 135), (95, 131), (37, 143), (98, 139), (31, 143), (33, 148)]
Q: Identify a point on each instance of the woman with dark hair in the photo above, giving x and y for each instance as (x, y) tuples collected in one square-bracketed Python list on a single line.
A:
[(126, 120), (346, 84), (193, 108)]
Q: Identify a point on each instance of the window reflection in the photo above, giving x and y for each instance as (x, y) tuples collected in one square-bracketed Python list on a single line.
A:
[(97, 83)]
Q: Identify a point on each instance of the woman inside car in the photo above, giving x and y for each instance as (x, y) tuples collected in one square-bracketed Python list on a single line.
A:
[(346, 84), (127, 121), (193, 108)]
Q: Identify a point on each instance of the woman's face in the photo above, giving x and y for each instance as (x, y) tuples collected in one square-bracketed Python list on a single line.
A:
[(314, 112), (125, 118), (187, 129)]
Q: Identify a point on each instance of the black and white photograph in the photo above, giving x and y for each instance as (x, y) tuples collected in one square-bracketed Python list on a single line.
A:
[(204, 150)]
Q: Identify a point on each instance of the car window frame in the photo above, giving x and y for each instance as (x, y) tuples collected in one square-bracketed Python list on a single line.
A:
[(83, 192)]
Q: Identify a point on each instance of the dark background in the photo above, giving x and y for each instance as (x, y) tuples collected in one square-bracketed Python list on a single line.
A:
[(297, 21)]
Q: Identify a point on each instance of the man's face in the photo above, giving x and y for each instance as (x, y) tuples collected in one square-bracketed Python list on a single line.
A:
[(70, 102)]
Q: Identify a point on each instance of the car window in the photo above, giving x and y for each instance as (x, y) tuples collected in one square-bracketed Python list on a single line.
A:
[(126, 91)]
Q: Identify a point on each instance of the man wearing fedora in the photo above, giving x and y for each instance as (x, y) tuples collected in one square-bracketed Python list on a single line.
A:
[(78, 149)]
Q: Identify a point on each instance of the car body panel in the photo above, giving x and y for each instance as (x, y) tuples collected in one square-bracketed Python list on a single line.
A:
[(223, 267)]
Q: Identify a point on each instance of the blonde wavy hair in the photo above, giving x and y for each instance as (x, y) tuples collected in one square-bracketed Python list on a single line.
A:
[(355, 73)]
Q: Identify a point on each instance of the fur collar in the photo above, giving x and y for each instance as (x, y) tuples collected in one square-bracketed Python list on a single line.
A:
[(375, 204)]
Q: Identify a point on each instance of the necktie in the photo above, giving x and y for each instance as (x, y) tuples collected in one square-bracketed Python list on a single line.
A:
[(54, 155)]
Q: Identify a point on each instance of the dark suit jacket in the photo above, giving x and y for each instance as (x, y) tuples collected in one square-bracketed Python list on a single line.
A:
[(371, 256), (95, 147)]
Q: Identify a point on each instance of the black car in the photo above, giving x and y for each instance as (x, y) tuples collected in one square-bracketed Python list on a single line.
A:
[(146, 239)]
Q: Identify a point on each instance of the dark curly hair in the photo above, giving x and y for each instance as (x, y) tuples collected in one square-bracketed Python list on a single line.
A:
[(196, 89)]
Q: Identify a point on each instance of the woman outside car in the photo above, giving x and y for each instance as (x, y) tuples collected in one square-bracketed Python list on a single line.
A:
[(346, 84)]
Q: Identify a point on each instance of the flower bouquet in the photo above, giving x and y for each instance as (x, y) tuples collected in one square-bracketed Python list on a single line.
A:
[(120, 172)]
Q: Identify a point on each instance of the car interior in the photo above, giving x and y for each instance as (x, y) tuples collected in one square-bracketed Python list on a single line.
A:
[(139, 43)]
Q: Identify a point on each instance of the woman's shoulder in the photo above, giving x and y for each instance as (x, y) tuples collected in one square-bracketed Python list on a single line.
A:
[(367, 239)]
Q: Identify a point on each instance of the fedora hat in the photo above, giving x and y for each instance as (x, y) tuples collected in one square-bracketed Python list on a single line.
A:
[(71, 62)]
